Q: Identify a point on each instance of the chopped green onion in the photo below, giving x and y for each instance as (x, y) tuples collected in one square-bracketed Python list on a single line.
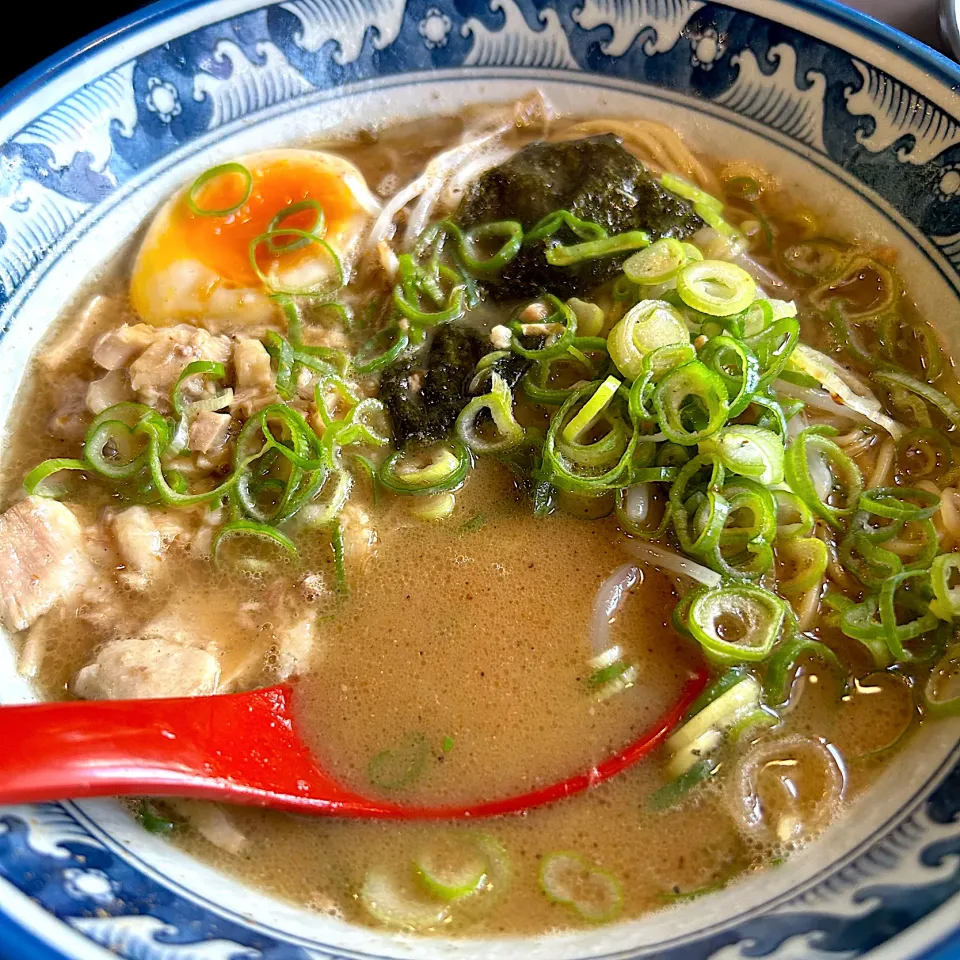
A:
[(574, 467), (772, 415), (611, 673), (896, 633), (774, 347), (737, 365), (127, 457), (445, 471), (275, 285), (946, 602), (934, 397), (552, 222), (590, 318), (645, 327), (592, 892), (737, 623), (319, 509), (561, 256), (338, 547), (869, 563), (438, 507), (451, 868), (713, 218), (902, 337), (281, 353), (216, 371), (853, 274), (751, 724), (152, 820), (689, 191), (591, 411), (673, 792), (816, 442), (941, 693), (808, 557), (690, 403), (562, 315), (782, 668), (248, 529), (734, 694), (317, 228), (223, 170), (705, 746), (499, 403), (367, 360), (388, 899), (399, 766), (743, 547), (762, 314), (301, 435), (510, 230), (657, 264), (633, 524), (716, 287), (815, 258), (794, 518), (33, 481), (893, 503), (749, 451), (859, 622), (729, 678), (923, 452)]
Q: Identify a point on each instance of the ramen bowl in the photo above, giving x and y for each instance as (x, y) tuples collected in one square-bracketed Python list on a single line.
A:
[(835, 104)]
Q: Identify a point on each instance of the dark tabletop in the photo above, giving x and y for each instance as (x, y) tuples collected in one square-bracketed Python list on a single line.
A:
[(71, 22)]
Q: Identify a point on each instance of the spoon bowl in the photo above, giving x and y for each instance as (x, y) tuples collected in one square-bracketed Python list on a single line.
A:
[(237, 748)]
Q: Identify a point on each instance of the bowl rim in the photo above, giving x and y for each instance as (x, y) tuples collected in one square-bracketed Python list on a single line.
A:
[(17, 940), (124, 28)]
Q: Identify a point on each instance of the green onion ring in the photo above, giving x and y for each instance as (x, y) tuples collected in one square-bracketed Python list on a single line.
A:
[(691, 379), (781, 670), (897, 633), (363, 362), (941, 693), (890, 502), (798, 477), (258, 531), (318, 229), (224, 169), (426, 481), (552, 222), (760, 613), (33, 480), (309, 238)]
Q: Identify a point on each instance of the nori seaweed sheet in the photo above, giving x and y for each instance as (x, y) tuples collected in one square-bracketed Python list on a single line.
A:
[(595, 179), (428, 414)]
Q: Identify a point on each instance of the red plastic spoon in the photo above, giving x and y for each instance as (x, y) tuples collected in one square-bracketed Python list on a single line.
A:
[(238, 748)]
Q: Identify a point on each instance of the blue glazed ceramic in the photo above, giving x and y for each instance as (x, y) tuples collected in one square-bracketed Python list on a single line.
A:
[(855, 114)]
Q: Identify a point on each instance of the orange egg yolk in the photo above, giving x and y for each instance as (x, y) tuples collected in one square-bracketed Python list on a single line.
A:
[(223, 243)]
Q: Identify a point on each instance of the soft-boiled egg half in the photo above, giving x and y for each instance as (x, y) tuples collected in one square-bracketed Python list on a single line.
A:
[(202, 261)]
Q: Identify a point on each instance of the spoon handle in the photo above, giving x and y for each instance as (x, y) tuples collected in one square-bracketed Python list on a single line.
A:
[(236, 747)]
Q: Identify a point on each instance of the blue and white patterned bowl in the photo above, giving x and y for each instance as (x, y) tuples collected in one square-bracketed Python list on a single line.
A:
[(91, 140)]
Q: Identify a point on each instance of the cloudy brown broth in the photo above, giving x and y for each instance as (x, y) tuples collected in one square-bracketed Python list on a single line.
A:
[(465, 642)]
